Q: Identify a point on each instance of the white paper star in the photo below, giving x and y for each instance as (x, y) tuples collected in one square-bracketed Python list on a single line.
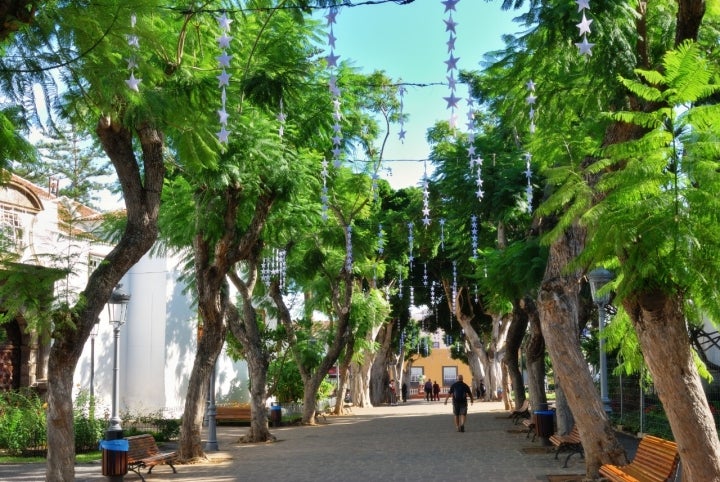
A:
[(451, 81), (401, 134), (224, 22), (452, 62), (450, 24), (133, 83), (530, 85), (224, 59), (583, 5), (133, 41), (281, 117), (331, 40), (332, 59), (223, 79), (584, 25), (530, 99), (223, 135), (132, 63), (451, 43), (585, 47), (222, 113), (224, 41), (449, 4), (331, 16), (471, 151), (452, 101)]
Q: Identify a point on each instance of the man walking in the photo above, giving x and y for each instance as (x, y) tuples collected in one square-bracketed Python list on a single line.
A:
[(428, 390), (459, 392)]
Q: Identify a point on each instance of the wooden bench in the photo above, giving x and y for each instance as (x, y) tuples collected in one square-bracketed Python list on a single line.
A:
[(568, 443), (522, 412), (232, 413), (529, 424), (143, 453), (656, 460)]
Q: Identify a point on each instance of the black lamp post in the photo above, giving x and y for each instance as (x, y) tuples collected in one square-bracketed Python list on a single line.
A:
[(599, 278), (117, 314)]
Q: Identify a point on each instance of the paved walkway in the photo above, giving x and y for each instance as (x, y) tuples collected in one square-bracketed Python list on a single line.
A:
[(413, 441)]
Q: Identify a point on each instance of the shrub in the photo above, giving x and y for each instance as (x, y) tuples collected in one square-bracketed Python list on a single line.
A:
[(22, 423)]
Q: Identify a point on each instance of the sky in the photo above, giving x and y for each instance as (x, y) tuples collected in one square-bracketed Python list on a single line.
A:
[(409, 43)]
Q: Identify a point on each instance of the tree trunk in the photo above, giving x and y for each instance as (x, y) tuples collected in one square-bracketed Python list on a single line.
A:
[(209, 347), (662, 331), (534, 354), (379, 378), (247, 331), (142, 203), (558, 310), (515, 334)]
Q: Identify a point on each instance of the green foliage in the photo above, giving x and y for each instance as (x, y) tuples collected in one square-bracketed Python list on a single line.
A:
[(283, 373), (89, 429), (659, 212), (22, 422)]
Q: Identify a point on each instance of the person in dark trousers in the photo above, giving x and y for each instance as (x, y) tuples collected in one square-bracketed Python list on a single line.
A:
[(404, 392), (428, 390), (459, 391), (436, 391)]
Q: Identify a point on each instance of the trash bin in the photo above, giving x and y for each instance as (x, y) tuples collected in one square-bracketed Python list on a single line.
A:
[(544, 425), (275, 414), (114, 457)]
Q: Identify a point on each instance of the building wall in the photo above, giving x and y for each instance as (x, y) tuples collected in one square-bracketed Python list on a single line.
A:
[(157, 347), (432, 367)]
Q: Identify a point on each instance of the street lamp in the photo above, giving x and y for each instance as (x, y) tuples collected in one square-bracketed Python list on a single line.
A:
[(93, 334), (598, 278), (117, 313)]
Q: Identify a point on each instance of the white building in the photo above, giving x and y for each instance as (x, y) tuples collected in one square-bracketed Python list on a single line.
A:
[(157, 344)]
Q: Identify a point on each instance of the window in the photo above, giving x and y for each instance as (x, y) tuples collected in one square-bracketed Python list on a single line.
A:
[(416, 374), (449, 375), (12, 230)]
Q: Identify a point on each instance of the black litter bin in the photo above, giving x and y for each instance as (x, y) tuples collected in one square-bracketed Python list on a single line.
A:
[(544, 425), (275, 414), (114, 457)]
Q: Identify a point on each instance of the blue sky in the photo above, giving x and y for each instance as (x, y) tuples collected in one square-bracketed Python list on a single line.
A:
[(409, 42)]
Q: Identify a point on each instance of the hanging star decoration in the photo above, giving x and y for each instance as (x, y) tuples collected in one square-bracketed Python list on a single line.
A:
[(475, 161), (224, 78), (474, 235), (133, 41), (401, 94), (528, 188), (584, 47), (332, 63), (442, 234), (426, 199), (281, 117), (381, 241), (530, 100), (348, 247), (411, 238), (451, 63)]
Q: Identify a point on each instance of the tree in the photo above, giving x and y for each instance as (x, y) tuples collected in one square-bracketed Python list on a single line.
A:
[(67, 158), (667, 176)]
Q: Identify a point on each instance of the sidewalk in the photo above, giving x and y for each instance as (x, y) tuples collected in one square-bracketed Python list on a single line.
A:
[(412, 441)]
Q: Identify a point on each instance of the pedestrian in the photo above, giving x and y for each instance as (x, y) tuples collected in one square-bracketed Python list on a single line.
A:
[(404, 392), (436, 391), (459, 392), (428, 390), (393, 396)]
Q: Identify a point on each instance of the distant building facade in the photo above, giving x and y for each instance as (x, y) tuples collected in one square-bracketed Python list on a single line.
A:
[(44, 236)]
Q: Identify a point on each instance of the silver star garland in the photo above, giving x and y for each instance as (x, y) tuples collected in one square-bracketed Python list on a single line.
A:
[(584, 47), (452, 61), (134, 43), (224, 78)]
